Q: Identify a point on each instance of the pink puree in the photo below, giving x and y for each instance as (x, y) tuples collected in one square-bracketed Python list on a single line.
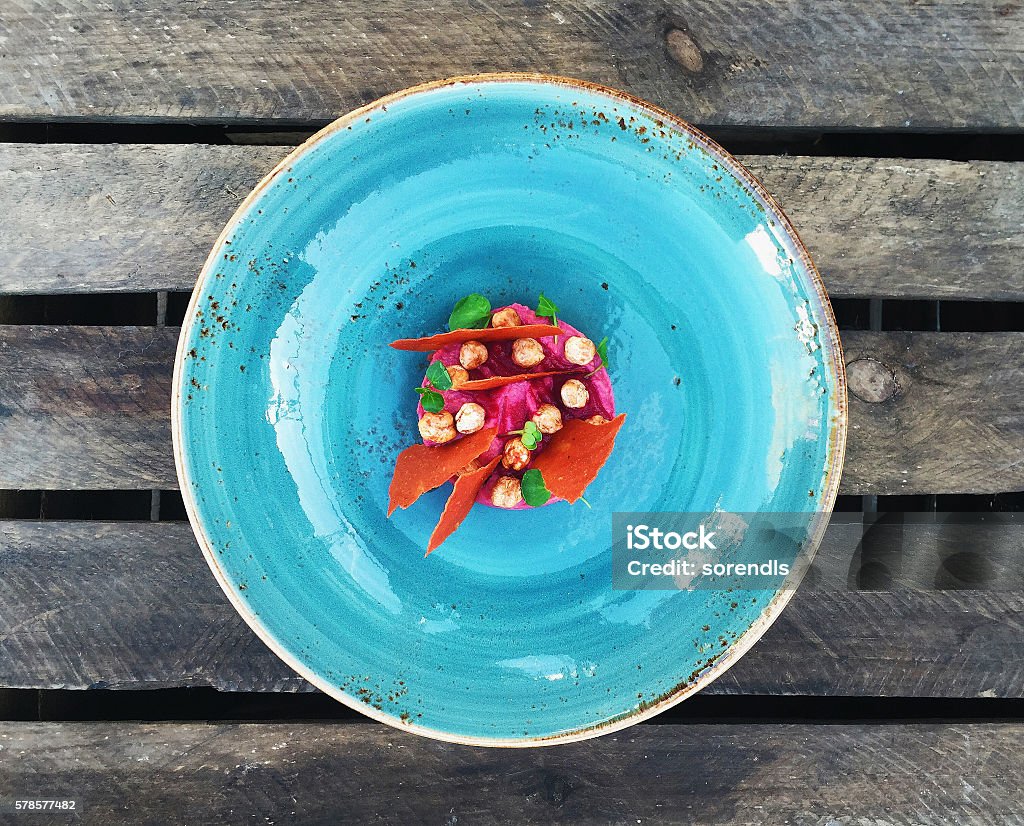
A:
[(509, 407)]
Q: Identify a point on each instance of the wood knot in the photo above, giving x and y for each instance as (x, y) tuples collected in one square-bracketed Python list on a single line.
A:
[(557, 789), (871, 381), (684, 51)]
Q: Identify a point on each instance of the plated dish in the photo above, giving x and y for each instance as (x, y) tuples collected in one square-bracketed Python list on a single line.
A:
[(515, 408), (290, 410)]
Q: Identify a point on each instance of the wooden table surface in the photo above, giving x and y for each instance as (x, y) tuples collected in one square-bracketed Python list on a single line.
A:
[(893, 135)]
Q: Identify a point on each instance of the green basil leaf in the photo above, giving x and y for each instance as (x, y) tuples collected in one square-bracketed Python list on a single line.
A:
[(535, 492), (546, 307), (437, 375), (470, 313), (529, 441), (432, 402), (602, 351)]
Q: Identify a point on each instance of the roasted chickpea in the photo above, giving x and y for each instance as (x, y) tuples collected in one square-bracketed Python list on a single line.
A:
[(506, 318), (437, 427), (470, 418), (507, 492), (579, 350), (527, 352), (472, 354), (458, 375), (515, 455), (575, 394), (548, 419), (597, 418)]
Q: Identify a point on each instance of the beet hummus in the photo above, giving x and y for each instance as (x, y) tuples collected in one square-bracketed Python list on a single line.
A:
[(546, 401), (529, 400)]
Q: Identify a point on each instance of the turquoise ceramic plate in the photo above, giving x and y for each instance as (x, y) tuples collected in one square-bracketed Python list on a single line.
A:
[(289, 408)]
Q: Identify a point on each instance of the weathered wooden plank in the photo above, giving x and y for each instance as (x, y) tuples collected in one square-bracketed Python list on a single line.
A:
[(888, 644), (940, 65), (87, 407), (930, 412), (924, 551), (118, 218), (905, 229), (124, 605), (772, 774), (133, 606), (138, 218)]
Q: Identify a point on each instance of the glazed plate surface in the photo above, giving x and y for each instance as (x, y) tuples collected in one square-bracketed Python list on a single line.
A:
[(289, 407)]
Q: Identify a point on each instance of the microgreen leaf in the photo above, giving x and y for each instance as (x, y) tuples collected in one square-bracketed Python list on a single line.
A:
[(535, 492), (602, 354), (472, 313), (530, 435), (432, 401), (437, 375), (546, 308)]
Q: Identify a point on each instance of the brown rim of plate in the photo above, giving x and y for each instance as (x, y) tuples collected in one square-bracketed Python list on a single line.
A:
[(833, 356)]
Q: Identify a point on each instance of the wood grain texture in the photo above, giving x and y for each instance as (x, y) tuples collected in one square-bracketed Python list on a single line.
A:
[(905, 229), (955, 421), (121, 605), (947, 64), (133, 606), (88, 407), (315, 773), (118, 218), (143, 218)]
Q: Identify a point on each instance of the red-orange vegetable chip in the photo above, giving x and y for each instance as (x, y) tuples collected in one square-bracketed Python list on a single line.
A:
[(575, 455), (421, 468), (456, 509), (430, 343)]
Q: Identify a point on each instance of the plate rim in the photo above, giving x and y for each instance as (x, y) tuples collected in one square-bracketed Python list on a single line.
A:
[(833, 358)]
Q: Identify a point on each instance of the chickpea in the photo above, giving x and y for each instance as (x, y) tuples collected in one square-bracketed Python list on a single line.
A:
[(575, 394), (472, 354), (548, 419), (470, 418), (458, 375), (437, 427), (597, 418), (506, 318), (527, 352), (515, 455), (579, 350), (507, 493)]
